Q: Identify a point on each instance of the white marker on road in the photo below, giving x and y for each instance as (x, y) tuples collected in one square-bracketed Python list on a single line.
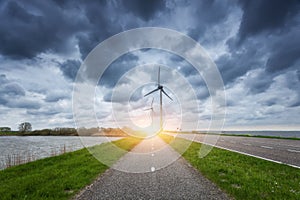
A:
[(294, 151), (152, 169), (266, 147)]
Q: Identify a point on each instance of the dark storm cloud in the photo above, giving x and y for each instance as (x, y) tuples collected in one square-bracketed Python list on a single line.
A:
[(259, 84), (239, 62), (30, 28), (265, 15), (267, 39), (102, 23), (185, 68), (145, 9), (208, 13), (70, 68), (285, 52), (118, 68)]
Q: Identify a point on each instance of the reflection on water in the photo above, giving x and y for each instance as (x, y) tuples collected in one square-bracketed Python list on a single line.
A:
[(20, 149)]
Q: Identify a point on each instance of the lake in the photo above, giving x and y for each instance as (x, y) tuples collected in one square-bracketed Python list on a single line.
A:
[(15, 150)]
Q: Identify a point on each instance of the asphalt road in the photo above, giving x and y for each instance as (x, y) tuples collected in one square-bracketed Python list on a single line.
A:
[(276, 150), (152, 170)]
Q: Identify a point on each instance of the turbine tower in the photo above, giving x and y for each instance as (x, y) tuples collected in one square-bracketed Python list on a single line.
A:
[(161, 90), (151, 110)]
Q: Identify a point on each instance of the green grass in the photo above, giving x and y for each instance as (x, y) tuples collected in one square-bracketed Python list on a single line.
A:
[(8, 133), (59, 177), (242, 177)]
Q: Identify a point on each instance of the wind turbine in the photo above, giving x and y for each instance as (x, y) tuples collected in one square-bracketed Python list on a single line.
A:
[(152, 111), (161, 91)]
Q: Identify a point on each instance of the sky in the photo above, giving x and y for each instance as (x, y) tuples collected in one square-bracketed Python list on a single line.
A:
[(254, 44)]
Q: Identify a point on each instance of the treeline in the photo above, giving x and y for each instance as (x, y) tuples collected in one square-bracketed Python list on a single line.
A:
[(55, 132), (112, 132)]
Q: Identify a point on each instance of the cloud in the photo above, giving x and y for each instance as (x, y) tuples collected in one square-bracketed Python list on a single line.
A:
[(13, 95), (70, 68), (9, 91), (207, 14), (36, 27), (56, 95), (23, 103), (258, 81), (144, 9), (117, 69), (13, 89), (285, 52), (262, 16), (255, 45)]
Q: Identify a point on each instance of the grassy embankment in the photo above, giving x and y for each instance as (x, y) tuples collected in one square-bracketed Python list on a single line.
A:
[(60, 177), (242, 177)]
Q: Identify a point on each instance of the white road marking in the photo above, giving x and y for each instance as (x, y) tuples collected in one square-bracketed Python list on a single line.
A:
[(152, 169), (248, 154), (294, 151), (266, 147), (292, 146)]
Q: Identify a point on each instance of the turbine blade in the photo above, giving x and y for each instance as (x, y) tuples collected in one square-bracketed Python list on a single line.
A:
[(158, 79), (151, 92), (166, 94)]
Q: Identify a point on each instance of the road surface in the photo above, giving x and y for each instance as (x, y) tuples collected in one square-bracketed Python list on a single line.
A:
[(152, 170), (276, 150)]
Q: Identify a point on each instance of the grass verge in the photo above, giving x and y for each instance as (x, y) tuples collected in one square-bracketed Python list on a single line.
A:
[(241, 176), (59, 177)]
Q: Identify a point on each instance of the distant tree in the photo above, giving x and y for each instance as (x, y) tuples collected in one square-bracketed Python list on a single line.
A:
[(25, 127), (5, 129)]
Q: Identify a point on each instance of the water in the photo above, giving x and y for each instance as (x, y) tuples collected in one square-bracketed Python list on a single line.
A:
[(30, 148), (289, 134)]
